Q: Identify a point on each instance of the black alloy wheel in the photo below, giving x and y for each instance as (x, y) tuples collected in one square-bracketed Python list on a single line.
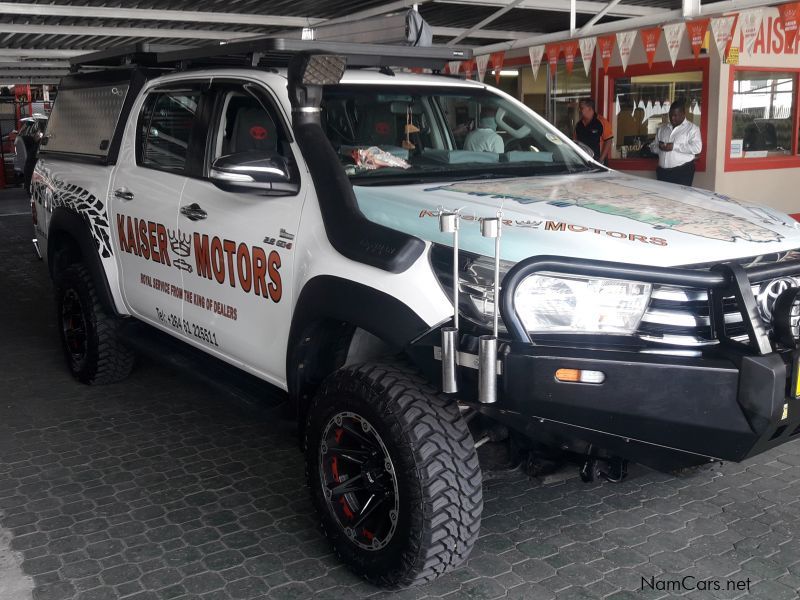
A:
[(359, 480), (73, 326)]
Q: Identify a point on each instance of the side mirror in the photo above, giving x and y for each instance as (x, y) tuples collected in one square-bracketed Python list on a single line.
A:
[(254, 172), (586, 149)]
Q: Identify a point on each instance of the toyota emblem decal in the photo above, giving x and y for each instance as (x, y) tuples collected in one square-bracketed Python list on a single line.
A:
[(768, 293)]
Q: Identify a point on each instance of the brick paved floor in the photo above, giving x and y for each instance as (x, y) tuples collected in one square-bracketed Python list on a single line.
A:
[(162, 488)]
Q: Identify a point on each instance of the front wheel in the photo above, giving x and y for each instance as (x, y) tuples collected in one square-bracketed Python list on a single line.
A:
[(393, 473)]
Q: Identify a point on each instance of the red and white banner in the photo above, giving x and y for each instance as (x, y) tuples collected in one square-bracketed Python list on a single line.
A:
[(587, 46), (625, 41), (650, 39), (606, 45), (497, 64), (673, 34), (750, 26), (536, 53), (722, 28), (570, 49), (790, 15), (481, 62), (697, 34)]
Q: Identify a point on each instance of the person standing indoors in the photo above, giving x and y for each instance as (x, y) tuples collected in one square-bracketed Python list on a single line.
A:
[(593, 130), (677, 143)]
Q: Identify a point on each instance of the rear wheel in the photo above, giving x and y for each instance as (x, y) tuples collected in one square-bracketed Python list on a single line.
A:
[(393, 473), (93, 351)]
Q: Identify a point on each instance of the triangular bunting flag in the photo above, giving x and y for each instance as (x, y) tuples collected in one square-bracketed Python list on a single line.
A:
[(469, 66), (536, 53), (722, 28), (650, 38), (606, 45), (750, 26), (673, 34), (552, 51), (570, 49), (790, 15), (481, 62), (697, 34), (625, 42), (497, 64), (587, 46)]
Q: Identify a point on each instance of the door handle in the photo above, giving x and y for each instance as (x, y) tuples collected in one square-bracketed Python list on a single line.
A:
[(193, 212), (123, 193)]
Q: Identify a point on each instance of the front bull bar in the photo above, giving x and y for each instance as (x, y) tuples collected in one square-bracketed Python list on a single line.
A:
[(722, 280)]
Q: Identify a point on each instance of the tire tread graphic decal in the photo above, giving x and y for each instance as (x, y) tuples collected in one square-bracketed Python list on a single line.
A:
[(87, 205)]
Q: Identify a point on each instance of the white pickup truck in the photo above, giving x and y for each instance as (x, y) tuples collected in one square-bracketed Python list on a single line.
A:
[(402, 254)]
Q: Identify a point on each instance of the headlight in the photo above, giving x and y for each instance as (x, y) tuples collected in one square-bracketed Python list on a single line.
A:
[(562, 303)]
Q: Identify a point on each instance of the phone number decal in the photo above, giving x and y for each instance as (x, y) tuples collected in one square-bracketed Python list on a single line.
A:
[(182, 325)]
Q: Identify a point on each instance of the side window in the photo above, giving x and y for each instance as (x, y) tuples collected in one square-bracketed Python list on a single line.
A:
[(165, 129), (247, 125)]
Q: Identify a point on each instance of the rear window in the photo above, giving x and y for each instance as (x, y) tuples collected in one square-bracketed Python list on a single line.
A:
[(83, 120)]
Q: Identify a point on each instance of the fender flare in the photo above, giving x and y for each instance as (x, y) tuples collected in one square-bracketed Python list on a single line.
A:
[(68, 222), (330, 298)]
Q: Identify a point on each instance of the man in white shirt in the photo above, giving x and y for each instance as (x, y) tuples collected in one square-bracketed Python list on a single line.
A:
[(485, 138), (677, 143)]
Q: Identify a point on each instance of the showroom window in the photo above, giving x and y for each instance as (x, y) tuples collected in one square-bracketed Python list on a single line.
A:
[(555, 96), (639, 104), (763, 129)]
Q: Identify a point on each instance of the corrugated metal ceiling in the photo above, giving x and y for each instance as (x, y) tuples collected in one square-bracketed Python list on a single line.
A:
[(87, 31)]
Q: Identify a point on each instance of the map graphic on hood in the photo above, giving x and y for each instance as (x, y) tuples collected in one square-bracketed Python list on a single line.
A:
[(616, 196), (603, 216)]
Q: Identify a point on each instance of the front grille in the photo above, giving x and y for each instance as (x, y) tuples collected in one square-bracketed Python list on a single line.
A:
[(681, 317)]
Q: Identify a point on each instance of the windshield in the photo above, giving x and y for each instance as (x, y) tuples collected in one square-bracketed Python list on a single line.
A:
[(434, 132)]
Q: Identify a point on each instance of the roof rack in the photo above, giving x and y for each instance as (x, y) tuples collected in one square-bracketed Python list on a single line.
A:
[(270, 52), (142, 54)]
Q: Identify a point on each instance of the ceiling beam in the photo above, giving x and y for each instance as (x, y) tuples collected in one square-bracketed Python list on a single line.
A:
[(591, 22), (664, 16), (148, 14), (495, 15), (38, 80), (37, 73), (385, 9), (31, 64), (142, 32), (41, 52), (482, 34), (691, 8), (581, 6)]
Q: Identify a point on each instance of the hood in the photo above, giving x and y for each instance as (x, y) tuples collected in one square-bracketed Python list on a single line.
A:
[(604, 216)]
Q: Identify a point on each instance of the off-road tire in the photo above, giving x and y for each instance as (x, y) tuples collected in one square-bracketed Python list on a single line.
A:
[(105, 359), (435, 462)]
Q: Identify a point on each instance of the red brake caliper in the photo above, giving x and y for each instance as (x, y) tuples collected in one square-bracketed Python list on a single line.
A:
[(335, 471)]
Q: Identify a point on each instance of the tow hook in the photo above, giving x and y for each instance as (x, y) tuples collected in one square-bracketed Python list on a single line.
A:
[(616, 468)]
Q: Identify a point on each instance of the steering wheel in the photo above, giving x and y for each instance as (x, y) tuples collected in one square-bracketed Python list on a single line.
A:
[(518, 144), (519, 133)]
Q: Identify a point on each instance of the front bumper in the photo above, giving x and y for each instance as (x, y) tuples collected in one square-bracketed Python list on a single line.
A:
[(734, 401), (664, 411)]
